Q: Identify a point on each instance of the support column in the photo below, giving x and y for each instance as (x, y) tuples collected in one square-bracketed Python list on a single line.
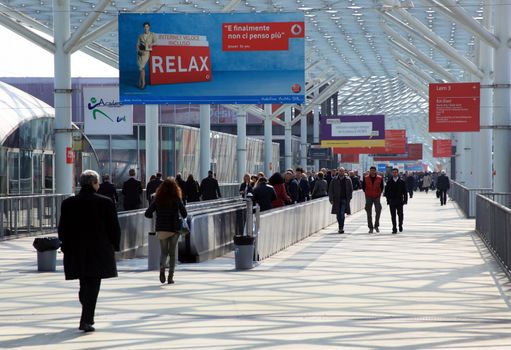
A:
[(62, 81), (241, 143), (151, 141), (502, 98), (205, 149), (268, 136), (288, 153), (303, 142), (315, 133)]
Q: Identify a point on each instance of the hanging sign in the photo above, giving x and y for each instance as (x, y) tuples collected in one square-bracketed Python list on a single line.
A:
[(442, 148)]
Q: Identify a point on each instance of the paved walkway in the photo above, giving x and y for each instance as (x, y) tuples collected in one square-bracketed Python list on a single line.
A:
[(435, 286)]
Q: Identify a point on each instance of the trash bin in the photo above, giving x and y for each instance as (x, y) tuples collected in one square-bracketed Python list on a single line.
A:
[(243, 252), (46, 253), (153, 252)]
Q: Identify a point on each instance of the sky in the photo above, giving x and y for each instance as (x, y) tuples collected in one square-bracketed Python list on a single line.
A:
[(32, 61)]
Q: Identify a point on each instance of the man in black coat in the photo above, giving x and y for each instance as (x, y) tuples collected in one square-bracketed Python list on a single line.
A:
[(107, 189), (292, 187), (90, 233), (396, 194), (132, 189), (443, 185), (264, 194), (410, 184), (209, 188), (152, 186)]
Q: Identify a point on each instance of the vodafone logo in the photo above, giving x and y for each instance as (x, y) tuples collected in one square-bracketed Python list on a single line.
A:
[(296, 29)]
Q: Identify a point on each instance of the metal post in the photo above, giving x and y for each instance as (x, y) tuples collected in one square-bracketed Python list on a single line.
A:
[(288, 154), (62, 66), (268, 146), (205, 149), (315, 130), (151, 140), (241, 143), (250, 217), (303, 142), (502, 98)]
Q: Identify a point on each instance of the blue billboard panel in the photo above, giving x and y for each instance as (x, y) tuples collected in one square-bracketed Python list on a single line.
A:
[(246, 58)]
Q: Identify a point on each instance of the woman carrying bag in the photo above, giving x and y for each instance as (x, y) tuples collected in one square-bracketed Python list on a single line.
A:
[(168, 205)]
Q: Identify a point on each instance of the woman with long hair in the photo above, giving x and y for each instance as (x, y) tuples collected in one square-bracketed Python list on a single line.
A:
[(192, 189), (168, 205), (277, 181)]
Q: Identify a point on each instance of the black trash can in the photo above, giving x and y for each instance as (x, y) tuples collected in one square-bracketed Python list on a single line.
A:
[(243, 252), (46, 253)]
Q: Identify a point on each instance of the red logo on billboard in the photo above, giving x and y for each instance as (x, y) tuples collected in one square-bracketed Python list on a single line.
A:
[(69, 155), (296, 88)]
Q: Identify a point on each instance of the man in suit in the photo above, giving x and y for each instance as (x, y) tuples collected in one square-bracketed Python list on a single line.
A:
[(443, 185), (152, 186), (264, 194), (90, 233), (209, 188), (132, 189), (397, 196), (340, 193), (107, 189)]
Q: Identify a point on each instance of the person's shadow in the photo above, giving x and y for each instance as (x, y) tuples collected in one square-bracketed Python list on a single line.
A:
[(43, 339)]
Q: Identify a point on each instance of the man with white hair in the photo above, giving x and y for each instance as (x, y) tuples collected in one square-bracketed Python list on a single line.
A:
[(90, 233), (443, 185), (340, 193)]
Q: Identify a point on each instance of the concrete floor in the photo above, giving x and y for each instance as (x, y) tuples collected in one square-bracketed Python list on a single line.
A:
[(434, 286)]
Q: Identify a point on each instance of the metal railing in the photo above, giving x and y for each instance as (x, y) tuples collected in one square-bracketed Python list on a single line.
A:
[(466, 197), (493, 224), (280, 228), (29, 215)]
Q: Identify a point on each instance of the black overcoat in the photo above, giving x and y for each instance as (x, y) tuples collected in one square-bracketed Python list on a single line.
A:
[(90, 233)]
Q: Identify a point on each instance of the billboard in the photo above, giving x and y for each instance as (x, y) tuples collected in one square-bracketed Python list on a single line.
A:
[(413, 152), (103, 114), (202, 58), (352, 131), (454, 107), (442, 148), (395, 143)]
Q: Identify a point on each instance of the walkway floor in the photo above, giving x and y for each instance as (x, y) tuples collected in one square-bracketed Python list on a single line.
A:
[(434, 286)]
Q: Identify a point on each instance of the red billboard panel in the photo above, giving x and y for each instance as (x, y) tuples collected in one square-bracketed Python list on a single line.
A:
[(414, 152), (442, 148), (395, 143), (350, 158), (454, 107)]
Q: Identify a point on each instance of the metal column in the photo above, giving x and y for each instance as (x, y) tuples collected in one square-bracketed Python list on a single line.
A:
[(62, 65), (502, 98), (268, 146), (315, 133), (151, 141), (241, 143), (303, 142), (288, 154), (205, 149)]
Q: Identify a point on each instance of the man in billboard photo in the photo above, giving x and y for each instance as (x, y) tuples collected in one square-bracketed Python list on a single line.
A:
[(145, 44)]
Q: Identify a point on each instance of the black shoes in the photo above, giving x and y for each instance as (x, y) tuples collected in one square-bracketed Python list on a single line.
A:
[(400, 228), (370, 230), (162, 274), (86, 327), (394, 231), (341, 231), (377, 229), (170, 280)]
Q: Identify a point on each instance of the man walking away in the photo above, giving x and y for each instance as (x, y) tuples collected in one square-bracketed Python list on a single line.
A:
[(264, 194), (396, 195), (426, 182), (152, 186), (107, 189), (90, 233), (355, 181), (339, 194), (132, 189), (410, 184), (373, 188), (209, 188), (443, 185)]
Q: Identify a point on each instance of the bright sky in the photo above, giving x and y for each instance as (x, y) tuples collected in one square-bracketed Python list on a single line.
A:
[(29, 60)]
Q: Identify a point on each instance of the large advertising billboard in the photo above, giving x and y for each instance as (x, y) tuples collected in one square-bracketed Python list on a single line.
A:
[(103, 114), (247, 58), (352, 131)]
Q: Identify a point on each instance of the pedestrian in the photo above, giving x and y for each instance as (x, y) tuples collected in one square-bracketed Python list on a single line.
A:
[(264, 194), (107, 189), (245, 187), (443, 185), (373, 188), (154, 182), (320, 187), (410, 184), (355, 181), (181, 183), (292, 187), (303, 185), (209, 188), (132, 189), (168, 205), (340, 193), (192, 190), (90, 234), (426, 182), (397, 197), (277, 181)]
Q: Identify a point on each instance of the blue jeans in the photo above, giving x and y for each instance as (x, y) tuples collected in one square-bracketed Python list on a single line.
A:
[(340, 214)]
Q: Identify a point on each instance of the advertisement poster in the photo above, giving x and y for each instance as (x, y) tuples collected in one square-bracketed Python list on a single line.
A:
[(413, 152), (103, 114), (395, 143), (442, 148), (218, 58), (454, 107), (353, 131)]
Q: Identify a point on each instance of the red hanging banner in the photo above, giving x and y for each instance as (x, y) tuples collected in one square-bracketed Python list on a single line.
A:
[(442, 148), (454, 107)]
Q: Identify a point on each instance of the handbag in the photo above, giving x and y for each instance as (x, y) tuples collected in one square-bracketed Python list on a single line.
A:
[(184, 229)]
